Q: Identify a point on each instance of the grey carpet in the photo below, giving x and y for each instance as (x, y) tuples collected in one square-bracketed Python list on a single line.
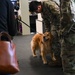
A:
[(29, 65)]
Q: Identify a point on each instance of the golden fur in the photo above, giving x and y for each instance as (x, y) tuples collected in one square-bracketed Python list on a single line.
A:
[(43, 43)]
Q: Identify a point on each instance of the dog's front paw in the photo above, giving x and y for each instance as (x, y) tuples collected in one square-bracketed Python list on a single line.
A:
[(45, 63), (34, 55)]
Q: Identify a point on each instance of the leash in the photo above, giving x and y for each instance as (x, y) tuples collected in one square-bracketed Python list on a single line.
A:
[(27, 24)]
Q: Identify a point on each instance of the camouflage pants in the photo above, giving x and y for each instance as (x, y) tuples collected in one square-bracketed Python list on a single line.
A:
[(55, 43), (68, 54)]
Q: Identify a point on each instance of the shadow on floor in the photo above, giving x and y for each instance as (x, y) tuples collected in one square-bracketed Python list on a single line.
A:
[(41, 69)]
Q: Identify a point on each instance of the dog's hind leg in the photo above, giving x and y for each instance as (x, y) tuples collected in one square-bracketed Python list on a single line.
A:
[(33, 51), (33, 48)]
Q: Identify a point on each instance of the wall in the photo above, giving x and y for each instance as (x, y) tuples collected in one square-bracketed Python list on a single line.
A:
[(24, 9)]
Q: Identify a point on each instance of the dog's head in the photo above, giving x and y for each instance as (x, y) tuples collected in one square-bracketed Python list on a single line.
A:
[(47, 36)]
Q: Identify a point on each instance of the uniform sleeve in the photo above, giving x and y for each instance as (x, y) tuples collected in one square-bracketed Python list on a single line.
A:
[(46, 15), (53, 7), (50, 13)]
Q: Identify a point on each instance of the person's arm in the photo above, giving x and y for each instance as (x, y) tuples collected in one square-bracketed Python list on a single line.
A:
[(46, 15), (12, 28), (3, 16), (51, 12), (46, 24)]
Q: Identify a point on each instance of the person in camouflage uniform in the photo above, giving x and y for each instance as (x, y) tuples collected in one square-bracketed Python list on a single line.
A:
[(67, 38), (50, 13)]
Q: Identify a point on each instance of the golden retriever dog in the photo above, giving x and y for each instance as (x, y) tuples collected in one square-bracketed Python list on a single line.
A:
[(43, 43)]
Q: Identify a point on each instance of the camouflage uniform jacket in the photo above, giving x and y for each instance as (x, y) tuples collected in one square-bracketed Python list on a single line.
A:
[(50, 11)]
